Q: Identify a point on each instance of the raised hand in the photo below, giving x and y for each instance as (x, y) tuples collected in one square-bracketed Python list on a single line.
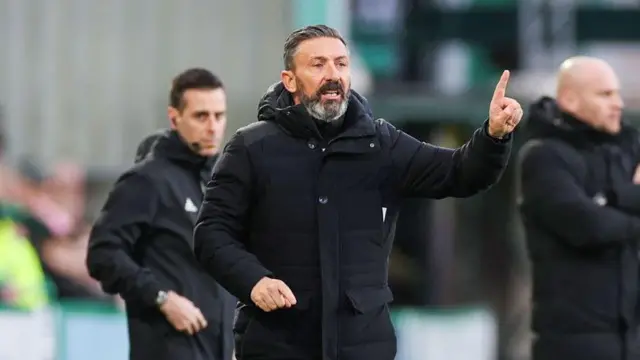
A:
[(504, 113)]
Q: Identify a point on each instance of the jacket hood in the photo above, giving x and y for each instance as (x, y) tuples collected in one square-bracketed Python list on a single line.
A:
[(146, 145), (547, 120), (277, 105)]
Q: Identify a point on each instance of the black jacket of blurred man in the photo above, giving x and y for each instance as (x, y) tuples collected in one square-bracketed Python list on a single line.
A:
[(295, 221), (141, 246), (580, 202)]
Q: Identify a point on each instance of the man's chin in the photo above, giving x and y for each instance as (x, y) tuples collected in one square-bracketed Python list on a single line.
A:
[(208, 151), (612, 129)]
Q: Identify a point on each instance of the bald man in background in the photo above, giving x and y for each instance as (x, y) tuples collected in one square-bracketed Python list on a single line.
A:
[(579, 196)]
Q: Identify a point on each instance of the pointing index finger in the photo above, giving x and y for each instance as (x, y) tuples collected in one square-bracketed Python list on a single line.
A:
[(501, 88)]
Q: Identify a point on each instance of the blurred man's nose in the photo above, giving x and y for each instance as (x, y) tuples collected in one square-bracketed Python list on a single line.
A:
[(619, 102)]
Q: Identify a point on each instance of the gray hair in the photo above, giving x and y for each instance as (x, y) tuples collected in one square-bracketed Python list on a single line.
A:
[(306, 33)]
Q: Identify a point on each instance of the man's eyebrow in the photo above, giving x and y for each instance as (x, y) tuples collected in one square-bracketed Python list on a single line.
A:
[(319, 57)]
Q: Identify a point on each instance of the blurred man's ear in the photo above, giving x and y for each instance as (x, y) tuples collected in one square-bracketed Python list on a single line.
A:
[(570, 102)]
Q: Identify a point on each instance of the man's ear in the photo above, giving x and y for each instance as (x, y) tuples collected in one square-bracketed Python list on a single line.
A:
[(172, 114), (570, 101), (289, 81)]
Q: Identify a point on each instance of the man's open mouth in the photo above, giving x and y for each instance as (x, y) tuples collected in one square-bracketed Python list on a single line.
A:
[(331, 95)]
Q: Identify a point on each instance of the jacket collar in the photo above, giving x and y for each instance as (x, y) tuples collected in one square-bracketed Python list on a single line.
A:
[(168, 144)]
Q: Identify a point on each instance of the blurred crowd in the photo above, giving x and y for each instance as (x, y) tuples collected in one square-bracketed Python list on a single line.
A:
[(43, 236)]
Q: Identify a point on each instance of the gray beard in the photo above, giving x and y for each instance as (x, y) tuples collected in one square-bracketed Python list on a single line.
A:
[(327, 113)]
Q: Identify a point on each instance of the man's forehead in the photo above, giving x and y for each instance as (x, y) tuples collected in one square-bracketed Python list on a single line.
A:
[(322, 47), (205, 99), (601, 80)]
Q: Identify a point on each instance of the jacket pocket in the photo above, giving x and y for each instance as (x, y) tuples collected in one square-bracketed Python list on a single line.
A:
[(364, 300), (258, 333), (369, 323)]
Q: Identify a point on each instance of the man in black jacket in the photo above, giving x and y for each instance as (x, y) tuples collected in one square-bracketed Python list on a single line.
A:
[(295, 221), (141, 246), (580, 202)]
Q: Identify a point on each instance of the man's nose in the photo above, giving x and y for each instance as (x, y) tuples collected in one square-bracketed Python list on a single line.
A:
[(332, 72), (212, 124)]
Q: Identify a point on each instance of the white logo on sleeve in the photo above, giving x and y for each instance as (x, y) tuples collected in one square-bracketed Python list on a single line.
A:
[(189, 206), (384, 213)]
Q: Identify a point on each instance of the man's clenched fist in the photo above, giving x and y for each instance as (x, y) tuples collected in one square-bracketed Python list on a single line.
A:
[(271, 294)]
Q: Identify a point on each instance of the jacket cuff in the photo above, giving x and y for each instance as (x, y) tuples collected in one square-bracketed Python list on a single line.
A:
[(150, 293), (251, 277), (612, 198), (503, 140)]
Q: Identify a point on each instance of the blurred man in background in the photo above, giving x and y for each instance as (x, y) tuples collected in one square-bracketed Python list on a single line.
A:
[(299, 215), (580, 202), (51, 214), (43, 215), (22, 279), (141, 246)]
